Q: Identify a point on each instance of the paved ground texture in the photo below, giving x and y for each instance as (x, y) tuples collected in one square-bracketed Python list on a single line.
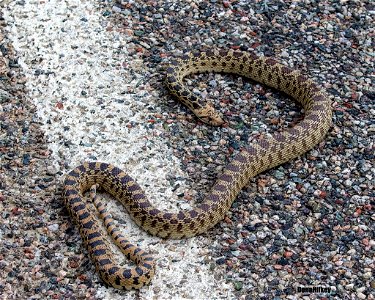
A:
[(83, 80)]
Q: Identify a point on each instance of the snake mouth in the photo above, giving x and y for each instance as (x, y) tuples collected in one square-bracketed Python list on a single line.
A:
[(218, 121)]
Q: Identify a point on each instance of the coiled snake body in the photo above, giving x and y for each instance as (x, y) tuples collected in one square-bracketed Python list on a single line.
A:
[(263, 154)]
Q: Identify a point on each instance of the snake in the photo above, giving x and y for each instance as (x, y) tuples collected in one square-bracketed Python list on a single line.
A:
[(263, 153)]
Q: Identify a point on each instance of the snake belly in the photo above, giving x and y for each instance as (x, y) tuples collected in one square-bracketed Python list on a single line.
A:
[(261, 155)]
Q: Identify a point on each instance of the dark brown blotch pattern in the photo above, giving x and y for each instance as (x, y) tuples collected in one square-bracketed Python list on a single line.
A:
[(238, 54)]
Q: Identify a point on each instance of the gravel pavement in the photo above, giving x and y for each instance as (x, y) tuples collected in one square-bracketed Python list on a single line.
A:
[(83, 80)]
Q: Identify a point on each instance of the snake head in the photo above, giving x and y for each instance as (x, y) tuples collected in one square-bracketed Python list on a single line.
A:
[(209, 115)]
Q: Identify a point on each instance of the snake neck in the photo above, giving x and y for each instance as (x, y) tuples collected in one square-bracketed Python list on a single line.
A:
[(260, 69)]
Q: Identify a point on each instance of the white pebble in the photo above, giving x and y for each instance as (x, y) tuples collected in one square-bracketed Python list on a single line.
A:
[(53, 227)]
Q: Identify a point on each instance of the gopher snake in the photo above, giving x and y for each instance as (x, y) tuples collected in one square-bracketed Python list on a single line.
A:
[(263, 154)]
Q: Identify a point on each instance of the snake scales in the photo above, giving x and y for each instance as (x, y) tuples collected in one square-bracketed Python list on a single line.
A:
[(263, 154)]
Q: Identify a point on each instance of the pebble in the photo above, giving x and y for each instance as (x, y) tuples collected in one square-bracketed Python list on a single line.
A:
[(53, 227), (238, 285), (361, 295)]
